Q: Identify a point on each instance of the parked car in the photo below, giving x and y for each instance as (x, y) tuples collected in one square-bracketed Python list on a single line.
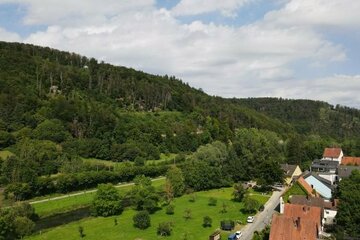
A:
[(238, 234), (235, 236), (232, 237), (250, 219)]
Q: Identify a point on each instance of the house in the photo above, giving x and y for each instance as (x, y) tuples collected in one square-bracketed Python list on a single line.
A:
[(285, 228), (345, 171), (324, 166), (299, 222), (322, 186), (351, 161), (290, 172), (333, 154), (328, 209)]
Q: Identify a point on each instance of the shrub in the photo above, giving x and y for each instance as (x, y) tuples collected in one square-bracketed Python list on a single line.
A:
[(192, 198), (207, 221), (187, 214), (170, 209), (164, 229), (81, 231), (142, 220), (212, 201)]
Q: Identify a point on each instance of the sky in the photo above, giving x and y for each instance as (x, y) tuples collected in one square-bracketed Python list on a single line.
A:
[(298, 49)]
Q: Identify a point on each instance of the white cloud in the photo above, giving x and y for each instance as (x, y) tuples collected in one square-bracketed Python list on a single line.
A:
[(335, 89), (76, 13), (9, 36), (227, 8), (312, 13)]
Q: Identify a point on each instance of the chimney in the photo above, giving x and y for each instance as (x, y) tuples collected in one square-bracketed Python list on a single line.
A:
[(298, 223)]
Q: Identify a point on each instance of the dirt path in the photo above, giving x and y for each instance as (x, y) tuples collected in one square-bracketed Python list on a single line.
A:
[(86, 192)]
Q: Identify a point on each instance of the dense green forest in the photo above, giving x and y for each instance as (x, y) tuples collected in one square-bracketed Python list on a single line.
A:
[(58, 108)]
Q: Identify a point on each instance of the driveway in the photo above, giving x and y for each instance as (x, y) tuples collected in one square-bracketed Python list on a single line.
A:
[(263, 218)]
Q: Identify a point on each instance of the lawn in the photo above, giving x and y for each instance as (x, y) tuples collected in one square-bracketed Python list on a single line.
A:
[(104, 228), (74, 202), (295, 189)]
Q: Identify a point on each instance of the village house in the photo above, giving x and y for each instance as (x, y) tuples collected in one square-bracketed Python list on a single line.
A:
[(320, 185), (333, 154), (328, 209), (297, 222), (291, 172)]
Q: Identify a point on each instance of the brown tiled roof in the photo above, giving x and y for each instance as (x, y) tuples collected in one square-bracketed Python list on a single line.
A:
[(303, 212), (350, 161), (331, 205), (332, 152), (308, 201), (289, 228), (305, 185)]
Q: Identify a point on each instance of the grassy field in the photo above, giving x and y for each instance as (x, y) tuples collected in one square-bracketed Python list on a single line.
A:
[(70, 203), (5, 153), (104, 228), (295, 189)]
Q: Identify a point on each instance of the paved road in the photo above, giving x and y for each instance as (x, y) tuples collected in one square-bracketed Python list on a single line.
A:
[(85, 192), (262, 218)]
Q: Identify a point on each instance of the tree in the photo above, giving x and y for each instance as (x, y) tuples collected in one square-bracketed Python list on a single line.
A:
[(143, 195), (142, 220), (23, 226), (239, 192), (164, 229), (169, 191), (139, 161), (224, 207), (187, 214), (175, 177), (207, 221), (250, 205), (270, 173), (170, 209), (107, 201), (348, 215), (52, 130)]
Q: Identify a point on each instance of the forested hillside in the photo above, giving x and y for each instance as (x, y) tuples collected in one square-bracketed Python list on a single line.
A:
[(57, 108), (309, 117)]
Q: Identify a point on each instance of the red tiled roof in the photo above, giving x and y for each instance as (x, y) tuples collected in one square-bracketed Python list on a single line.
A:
[(350, 161), (305, 185), (289, 228), (332, 152)]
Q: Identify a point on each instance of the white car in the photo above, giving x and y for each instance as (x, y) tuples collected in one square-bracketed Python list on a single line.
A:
[(238, 234), (250, 219)]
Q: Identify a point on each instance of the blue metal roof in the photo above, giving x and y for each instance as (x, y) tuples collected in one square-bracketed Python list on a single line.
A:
[(320, 187)]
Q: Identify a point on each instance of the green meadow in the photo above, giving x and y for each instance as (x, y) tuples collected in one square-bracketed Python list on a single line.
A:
[(105, 229)]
